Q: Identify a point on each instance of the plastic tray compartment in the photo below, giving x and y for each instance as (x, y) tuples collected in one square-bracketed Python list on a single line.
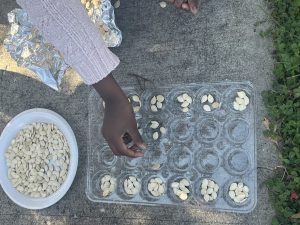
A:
[(219, 145)]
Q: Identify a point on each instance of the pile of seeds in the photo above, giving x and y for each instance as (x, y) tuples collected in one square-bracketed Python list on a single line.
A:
[(132, 185), (238, 192), (108, 185), (156, 187), (158, 130), (209, 190), (209, 103), (181, 189), (136, 103), (185, 100), (241, 101), (38, 160), (156, 103)]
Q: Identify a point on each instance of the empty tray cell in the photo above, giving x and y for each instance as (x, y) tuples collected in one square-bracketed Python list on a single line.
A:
[(207, 160), (207, 130), (237, 130), (132, 163), (237, 161), (106, 157), (181, 130), (180, 159)]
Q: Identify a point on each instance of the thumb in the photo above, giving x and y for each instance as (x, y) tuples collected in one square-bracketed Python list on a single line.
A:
[(137, 139)]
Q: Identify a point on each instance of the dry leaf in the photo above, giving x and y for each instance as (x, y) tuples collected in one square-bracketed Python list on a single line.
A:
[(296, 216), (266, 123)]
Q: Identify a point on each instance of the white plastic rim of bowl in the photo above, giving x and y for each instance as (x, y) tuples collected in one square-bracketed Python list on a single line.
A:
[(10, 132)]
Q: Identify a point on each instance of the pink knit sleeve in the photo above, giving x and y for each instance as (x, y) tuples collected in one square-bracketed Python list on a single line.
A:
[(66, 25)]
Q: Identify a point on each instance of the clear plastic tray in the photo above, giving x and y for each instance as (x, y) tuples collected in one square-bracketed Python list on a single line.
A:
[(219, 145)]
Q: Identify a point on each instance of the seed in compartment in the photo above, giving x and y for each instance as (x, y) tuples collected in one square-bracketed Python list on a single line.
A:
[(216, 105), (132, 185), (206, 108), (208, 103), (238, 192), (180, 99), (185, 100), (159, 105), (163, 130), (185, 109), (156, 103), (158, 129), (153, 108), (136, 103), (108, 185), (153, 100), (154, 124), (181, 189), (155, 166), (210, 98), (203, 98), (241, 101), (155, 135), (209, 190), (160, 98), (156, 187), (135, 98)]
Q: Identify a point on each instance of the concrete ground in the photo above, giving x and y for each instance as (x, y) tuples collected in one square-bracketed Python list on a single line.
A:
[(167, 46)]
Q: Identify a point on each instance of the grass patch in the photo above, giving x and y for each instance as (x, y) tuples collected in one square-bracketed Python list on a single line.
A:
[(283, 105)]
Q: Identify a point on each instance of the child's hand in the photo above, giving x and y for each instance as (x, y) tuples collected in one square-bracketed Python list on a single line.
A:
[(190, 5), (119, 123)]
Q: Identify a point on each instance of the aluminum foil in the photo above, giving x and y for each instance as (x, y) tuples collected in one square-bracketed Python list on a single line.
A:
[(104, 18), (30, 50)]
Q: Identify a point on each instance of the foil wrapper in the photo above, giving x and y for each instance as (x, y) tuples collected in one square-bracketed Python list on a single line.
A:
[(104, 18), (29, 49)]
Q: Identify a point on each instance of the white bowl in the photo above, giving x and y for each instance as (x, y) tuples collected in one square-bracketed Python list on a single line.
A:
[(10, 132)]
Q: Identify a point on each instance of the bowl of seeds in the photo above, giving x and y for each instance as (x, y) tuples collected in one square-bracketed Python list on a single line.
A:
[(38, 158)]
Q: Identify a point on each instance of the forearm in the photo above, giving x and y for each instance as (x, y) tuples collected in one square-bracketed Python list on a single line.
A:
[(110, 90)]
